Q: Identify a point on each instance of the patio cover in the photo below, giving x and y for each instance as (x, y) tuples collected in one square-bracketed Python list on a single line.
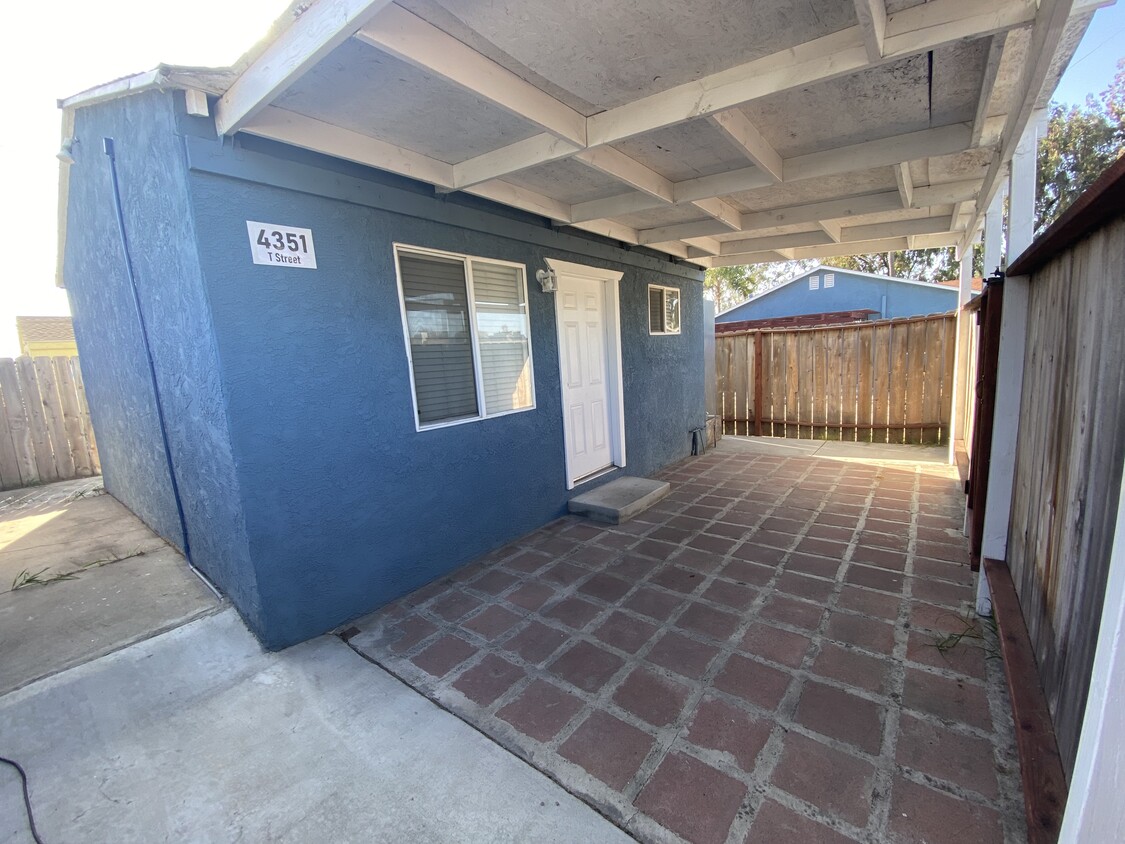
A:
[(719, 132)]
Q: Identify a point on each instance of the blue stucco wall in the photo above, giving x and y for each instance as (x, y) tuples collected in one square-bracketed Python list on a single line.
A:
[(340, 504), (158, 219), (892, 299)]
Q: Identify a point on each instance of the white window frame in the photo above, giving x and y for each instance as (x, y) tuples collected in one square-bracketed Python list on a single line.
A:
[(829, 280), (467, 261), (814, 282), (665, 290)]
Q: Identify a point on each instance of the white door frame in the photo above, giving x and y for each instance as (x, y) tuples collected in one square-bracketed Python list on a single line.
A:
[(615, 394)]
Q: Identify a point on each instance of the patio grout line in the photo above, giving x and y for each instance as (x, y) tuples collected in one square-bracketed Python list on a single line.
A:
[(603, 697)]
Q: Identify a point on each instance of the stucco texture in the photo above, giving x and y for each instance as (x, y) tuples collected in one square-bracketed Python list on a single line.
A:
[(290, 388), (158, 220)]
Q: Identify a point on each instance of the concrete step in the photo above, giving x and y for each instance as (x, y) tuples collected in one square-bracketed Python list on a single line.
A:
[(619, 500)]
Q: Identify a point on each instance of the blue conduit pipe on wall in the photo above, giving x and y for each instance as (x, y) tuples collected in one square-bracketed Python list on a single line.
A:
[(107, 147)]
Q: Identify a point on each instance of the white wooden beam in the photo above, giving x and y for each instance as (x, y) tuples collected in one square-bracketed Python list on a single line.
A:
[(736, 126), (196, 103), (704, 244), (832, 228), (779, 241), (872, 15), (815, 212), (700, 245), (613, 206), (407, 37), (860, 247), (1046, 35), (930, 25), (608, 228), (318, 136), (724, 212), (320, 29), (609, 161), (994, 234), (519, 197), (767, 257), (944, 140), (680, 231), (988, 82), (722, 184), (898, 228), (915, 30), (905, 183), (945, 193), (538, 149)]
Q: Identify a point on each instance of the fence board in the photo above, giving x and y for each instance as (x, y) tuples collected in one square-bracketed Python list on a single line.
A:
[(915, 366), (806, 384), (45, 431), (72, 422), (33, 406), (820, 392), (849, 395), (777, 384), (53, 416), (9, 464), (792, 385), (881, 381), (18, 425), (865, 372), (84, 415)]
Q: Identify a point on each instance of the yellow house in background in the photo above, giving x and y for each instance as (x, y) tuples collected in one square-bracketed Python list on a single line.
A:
[(52, 336)]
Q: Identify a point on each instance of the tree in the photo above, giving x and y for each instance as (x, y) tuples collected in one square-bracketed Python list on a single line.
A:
[(916, 264), (1081, 142)]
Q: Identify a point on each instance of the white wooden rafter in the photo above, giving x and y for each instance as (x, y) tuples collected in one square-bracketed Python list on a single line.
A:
[(1046, 33), (872, 16), (905, 183), (739, 129), (319, 30)]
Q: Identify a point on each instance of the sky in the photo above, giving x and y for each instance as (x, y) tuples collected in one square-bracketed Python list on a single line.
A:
[(81, 44)]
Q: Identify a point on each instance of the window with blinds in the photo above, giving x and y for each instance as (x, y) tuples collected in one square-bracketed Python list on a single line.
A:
[(468, 336), (663, 310)]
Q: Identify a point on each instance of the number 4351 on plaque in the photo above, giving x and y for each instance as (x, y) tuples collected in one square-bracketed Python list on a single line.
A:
[(281, 246)]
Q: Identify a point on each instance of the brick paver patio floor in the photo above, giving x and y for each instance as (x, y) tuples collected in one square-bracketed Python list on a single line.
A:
[(753, 659)]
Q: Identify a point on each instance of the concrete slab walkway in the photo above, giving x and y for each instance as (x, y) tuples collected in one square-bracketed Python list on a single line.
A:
[(780, 651), (127, 582), (198, 735)]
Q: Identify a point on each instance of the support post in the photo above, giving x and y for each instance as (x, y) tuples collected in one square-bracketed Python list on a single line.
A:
[(1009, 365), (994, 233), (956, 410)]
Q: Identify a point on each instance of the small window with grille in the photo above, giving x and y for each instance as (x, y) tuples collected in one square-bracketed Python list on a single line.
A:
[(814, 282)]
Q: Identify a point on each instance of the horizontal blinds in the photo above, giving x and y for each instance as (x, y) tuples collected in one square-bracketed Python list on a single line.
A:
[(502, 332), (655, 309), (437, 319)]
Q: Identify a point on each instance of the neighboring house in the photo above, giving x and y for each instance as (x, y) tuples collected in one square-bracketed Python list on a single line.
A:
[(52, 336), (827, 289)]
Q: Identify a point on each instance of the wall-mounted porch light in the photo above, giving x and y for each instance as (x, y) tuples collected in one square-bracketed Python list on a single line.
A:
[(548, 281)]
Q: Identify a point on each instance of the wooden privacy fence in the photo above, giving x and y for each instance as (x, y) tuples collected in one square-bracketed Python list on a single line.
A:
[(888, 381), (45, 431)]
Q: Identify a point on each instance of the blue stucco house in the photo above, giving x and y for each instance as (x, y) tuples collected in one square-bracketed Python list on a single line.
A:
[(826, 289), (357, 385)]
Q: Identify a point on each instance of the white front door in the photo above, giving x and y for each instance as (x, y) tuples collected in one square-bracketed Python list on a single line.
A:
[(589, 369)]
